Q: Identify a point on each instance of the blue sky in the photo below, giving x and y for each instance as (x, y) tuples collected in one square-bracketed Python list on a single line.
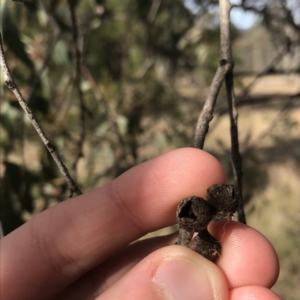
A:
[(240, 18), (245, 20)]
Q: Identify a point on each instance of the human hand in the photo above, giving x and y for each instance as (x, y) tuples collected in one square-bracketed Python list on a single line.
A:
[(79, 249)]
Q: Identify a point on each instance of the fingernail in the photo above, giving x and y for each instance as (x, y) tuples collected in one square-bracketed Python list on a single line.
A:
[(182, 279)]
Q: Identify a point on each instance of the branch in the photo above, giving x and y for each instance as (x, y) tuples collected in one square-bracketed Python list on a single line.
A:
[(282, 115), (206, 115), (13, 87), (224, 71), (207, 112), (96, 91), (266, 71), (153, 10), (77, 82), (226, 57), (39, 73)]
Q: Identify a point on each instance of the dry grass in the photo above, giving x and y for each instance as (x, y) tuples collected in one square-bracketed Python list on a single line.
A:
[(274, 208)]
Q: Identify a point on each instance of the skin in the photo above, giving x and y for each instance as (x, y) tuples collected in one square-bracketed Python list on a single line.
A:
[(79, 249)]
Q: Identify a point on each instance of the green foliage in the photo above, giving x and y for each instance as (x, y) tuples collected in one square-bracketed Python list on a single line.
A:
[(145, 76), (130, 62), (13, 39)]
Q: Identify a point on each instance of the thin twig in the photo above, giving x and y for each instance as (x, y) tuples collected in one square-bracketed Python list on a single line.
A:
[(153, 10), (77, 82), (207, 112), (282, 115), (206, 115), (264, 72), (39, 73), (226, 57), (89, 76), (54, 23), (224, 71), (13, 87), (99, 97)]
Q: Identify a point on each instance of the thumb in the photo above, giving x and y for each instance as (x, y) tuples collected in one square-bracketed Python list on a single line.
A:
[(171, 273)]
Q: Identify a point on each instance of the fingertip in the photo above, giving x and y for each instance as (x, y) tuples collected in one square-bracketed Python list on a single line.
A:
[(247, 258), (161, 183), (193, 164)]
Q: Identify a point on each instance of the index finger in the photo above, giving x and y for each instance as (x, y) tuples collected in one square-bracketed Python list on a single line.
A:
[(66, 241)]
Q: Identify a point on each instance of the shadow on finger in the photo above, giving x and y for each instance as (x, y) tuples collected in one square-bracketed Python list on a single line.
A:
[(106, 274)]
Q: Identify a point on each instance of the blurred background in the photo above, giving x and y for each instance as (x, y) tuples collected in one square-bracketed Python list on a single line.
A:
[(145, 67)]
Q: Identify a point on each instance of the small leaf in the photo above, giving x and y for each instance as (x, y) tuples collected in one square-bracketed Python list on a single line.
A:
[(60, 53)]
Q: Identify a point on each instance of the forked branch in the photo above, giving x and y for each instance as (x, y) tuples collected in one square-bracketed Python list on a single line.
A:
[(226, 57), (224, 72)]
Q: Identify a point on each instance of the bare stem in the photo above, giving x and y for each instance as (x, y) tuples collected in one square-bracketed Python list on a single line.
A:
[(13, 87), (153, 10), (206, 115), (226, 57), (224, 71), (207, 112)]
